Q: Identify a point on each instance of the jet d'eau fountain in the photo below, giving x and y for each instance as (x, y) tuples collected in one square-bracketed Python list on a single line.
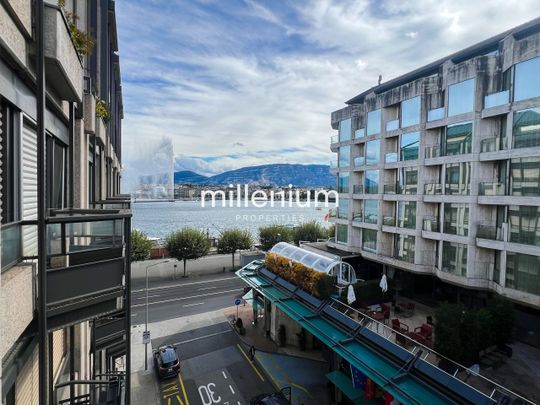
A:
[(149, 173)]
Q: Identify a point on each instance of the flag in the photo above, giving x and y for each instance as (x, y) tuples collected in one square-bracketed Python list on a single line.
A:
[(351, 297), (383, 284), (358, 379)]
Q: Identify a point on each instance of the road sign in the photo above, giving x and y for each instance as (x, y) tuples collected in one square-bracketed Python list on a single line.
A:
[(237, 301), (146, 337)]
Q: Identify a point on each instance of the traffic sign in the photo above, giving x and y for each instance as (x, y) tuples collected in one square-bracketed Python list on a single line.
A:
[(237, 301), (146, 337)]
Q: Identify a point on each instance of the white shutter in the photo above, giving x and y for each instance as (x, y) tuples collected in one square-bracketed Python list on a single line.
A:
[(29, 186)]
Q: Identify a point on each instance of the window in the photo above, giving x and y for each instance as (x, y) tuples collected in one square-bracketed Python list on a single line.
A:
[(410, 112), (525, 176), (461, 98), (522, 272), (458, 178), (454, 258), (342, 232), (344, 156), (527, 84), (371, 211), (373, 122), (373, 152), (404, 248), (524, 224), (372, 181), (343, 208), (343, 183), (369, 240), (408, 180), (456, 219), (407, 214), (409, 146), (10, 165), (56, 173), (458, 139), (345, 129), (526, 128)]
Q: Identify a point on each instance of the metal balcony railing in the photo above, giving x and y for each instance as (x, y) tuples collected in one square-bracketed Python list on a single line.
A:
[(107, 389), (435, 114), (391, 157), (359, 133), (433, 188), (490, 232), (359, 161), (493, 144), (392, 125), (358, 189), (491, 188), (431, 224), (432, 152), (496, 99)]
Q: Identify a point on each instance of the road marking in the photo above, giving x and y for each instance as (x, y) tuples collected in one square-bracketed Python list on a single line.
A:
[(183, 388), (206, 288), (192, 305), (133, 314), (150, 296), (183, 284), (250, 362), (238, 403), (232, 389), (224, 375), (185, 298), (203, 337), (179, 400)]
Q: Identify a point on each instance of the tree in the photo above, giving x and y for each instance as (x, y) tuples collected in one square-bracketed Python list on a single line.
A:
[(309, 232), (140, 246), (502, 311), (188, 244), (448, 321), (272, 234), (234, 239), (331, 231)]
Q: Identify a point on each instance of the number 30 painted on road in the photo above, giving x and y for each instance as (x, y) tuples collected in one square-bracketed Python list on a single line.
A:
[(208, 395)]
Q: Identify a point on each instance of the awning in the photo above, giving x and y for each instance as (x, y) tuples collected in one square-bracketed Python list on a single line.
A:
[(344, 384), (248, 297)]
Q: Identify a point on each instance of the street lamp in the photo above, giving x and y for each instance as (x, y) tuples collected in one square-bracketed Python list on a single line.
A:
[(146, 334)]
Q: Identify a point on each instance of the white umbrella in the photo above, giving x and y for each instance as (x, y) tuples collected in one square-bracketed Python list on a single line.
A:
[(351, 297), (383, 284)]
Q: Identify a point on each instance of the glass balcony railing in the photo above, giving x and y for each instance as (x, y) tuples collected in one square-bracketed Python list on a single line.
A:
[(493, 144), (392, 125), (431, 224), (489, 232), (496, 99), (436, 114), (371, 218), (359, 133), (334, 139), (11, 244), (527, 235), (333, 164), (433, 152), (359, 161), (433, 188), (405, 256), (491, 188), (391, 157), (457, 189), (357, 216), (530, 188), (527, 140), (358, 189), (391, 188), (389, 220)]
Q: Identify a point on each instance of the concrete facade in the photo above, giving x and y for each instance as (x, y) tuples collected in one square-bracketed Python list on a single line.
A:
[(471, 220)]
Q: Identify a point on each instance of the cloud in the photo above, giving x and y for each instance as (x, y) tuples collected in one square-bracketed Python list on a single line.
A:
[(224, 79)]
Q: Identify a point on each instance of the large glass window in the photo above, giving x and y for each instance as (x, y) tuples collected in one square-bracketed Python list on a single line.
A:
[(342, 233), (373, 122), (371, 211), (56, 173), (408, 180), (522, 272), (525, 176), (458, 178), (372, 181), (524, 224), (407, 214), (373, 152), (456, 219), (527, 84), (344, 156), (345, 129), (454, 258), (369, 240), (410, 112), (461, 98), (343, 183), (404, 248), (458, 139), (409, 146), (526, 128), (343, 209)]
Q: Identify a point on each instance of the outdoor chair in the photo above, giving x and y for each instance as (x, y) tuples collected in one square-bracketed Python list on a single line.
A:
[(385, 309), (402, 329), (425, 330)]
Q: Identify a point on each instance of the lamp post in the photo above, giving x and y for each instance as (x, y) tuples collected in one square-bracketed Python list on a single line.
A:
[(146, 322)]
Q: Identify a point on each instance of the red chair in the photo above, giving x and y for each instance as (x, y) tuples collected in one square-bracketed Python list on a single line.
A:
[(425, 330), (402, 328), (385, 309)]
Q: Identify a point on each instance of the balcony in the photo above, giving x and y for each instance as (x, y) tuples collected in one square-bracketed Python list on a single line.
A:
[(63, 67), (358, 216), (493, 144), (433, 189), (433, 152), (431, 224), (391, 157), (435, 114), (391, 188), (525, 235), (405, 256), (371, 218), (491, 188), (457, 189), (489, 232), (497, 99), (392, 125), (358, 189), (389, 220), (359, 161), (527, 140), (359, 133)]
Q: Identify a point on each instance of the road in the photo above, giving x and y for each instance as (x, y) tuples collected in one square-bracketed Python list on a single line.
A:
[(168, 300)]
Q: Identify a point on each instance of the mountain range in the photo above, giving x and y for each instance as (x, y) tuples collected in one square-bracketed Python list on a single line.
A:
[(272, 174)]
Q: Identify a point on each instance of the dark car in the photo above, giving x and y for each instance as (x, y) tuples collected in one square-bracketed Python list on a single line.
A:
[(166, 362), (276, 398)]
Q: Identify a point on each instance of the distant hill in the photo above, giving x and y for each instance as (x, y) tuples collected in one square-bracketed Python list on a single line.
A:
[(272, 174)]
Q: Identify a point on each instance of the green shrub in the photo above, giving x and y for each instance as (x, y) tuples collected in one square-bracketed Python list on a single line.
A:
[(272, 234), (448, 320), (140, 246), (310, 232), (232, 240)]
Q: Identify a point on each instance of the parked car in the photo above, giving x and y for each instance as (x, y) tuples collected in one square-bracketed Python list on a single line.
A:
[(166, 362), (276, 398)]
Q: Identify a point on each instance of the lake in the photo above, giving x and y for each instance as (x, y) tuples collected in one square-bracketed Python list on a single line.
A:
[(158, 219)]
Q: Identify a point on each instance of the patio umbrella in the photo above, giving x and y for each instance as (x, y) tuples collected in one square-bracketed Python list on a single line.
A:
[(351, 297), (384, 283)]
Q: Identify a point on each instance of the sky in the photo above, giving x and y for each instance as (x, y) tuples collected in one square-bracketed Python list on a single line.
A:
[(234, 83)]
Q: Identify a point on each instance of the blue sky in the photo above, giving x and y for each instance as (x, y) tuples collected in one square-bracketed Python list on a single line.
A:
[(235, 83)]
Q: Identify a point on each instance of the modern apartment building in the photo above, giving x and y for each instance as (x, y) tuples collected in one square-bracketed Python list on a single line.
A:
[(65, 228), (439, 177)]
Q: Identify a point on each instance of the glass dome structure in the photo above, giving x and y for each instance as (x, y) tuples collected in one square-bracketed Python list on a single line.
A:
[(343, 271)]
